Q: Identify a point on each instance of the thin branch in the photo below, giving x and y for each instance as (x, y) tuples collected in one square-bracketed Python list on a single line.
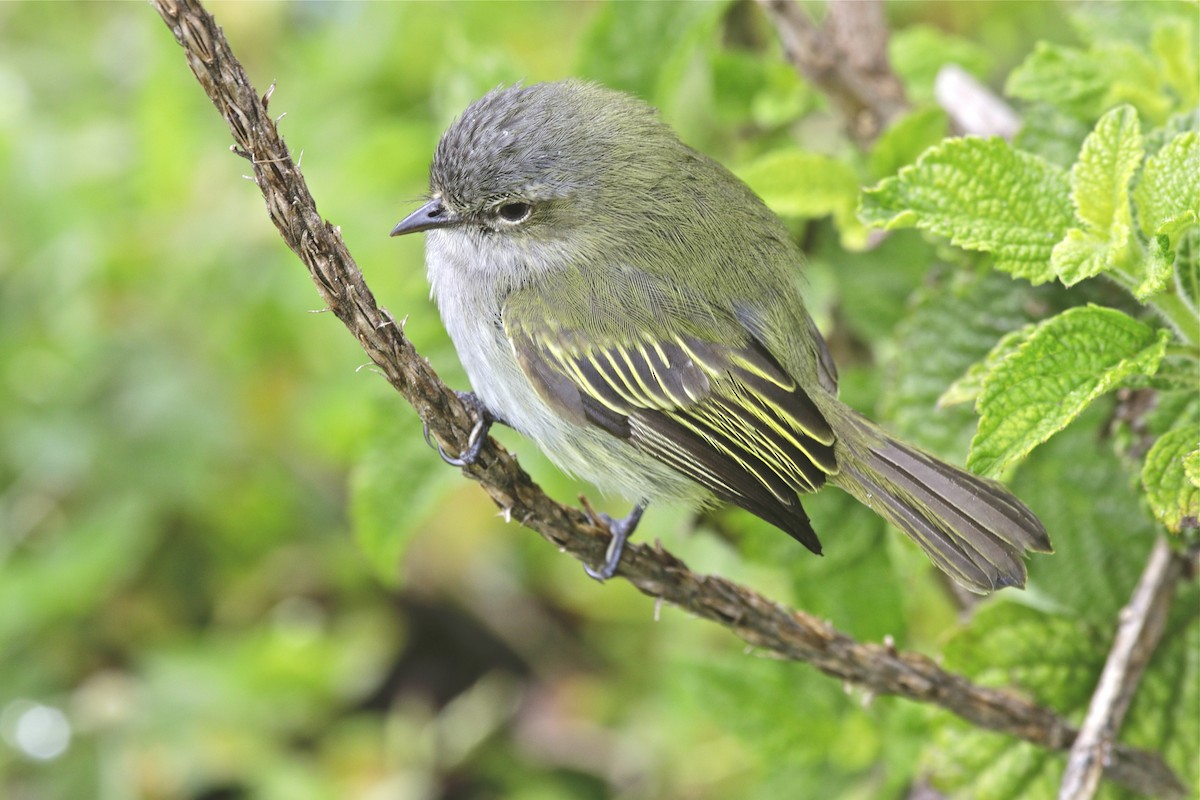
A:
[(790, 634), (1141, 626), (972, 106), (846, 58)]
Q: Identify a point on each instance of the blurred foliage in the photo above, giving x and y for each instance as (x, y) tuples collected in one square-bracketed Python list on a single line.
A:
[(231, 568)]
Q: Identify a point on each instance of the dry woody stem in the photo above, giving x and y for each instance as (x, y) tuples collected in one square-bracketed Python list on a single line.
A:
[(788, 633), (1138, 632), (846, 58)]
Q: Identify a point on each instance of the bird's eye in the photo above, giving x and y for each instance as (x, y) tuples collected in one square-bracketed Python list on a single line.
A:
[(515, 212)]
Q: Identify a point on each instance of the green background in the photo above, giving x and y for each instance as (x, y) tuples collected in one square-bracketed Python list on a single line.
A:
[(229, 565)]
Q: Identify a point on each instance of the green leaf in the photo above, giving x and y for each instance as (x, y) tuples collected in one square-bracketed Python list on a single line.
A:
[(906, 138), (1191, 467), (619, 35), (967, 388), (1064, 77), (1065, 364), (918, 52), (795, 183), (1081, 490), (1174, 45), (1100, 194), (1100, 179), (1051, 134), (1173, 497), (1163, 718), (1057, 660), (1168, 192), (953, 324), (1051, 658), (394, 486), (1085, 83), (985, 196)]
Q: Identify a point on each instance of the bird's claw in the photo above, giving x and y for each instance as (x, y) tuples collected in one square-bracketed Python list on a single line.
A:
[(620, 530), (476, 438)]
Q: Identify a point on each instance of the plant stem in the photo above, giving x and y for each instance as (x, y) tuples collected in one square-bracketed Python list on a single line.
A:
[(1172, 308)]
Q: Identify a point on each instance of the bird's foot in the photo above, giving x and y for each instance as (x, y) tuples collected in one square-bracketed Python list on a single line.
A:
[(620, 530), (478, 436)]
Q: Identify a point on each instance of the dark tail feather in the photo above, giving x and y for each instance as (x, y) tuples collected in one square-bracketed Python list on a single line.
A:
[(972, 528)]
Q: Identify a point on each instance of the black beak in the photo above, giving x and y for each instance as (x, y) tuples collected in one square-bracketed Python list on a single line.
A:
[(429, 216)]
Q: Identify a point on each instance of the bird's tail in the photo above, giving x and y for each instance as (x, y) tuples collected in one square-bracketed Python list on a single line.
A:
[(972, 528)]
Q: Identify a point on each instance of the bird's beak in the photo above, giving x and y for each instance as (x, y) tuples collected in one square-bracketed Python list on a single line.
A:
[(429, 216)]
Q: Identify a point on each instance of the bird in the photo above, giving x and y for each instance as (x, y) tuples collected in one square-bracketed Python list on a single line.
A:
[(632, 307)]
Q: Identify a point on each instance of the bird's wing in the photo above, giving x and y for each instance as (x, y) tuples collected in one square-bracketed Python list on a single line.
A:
[(698, 392)]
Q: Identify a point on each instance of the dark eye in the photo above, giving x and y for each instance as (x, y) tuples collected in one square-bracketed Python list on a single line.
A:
[(515, 212)]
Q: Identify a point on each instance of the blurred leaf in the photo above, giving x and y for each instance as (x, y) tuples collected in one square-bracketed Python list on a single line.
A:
[(795, 183), (622, 34), (918, 52), (984, 195), (397, 482), (1174, 44), (1057, 662), (1053, 659), (91, 558), (1048, 132), (952, 326), (1065, 363), (905, 139), (1095, 517), (1162, 716), (1174, 499), (967, 388), (1086, 83)]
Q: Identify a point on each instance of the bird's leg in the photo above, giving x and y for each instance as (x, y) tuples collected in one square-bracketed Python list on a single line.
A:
[(621, 530), (485, 420)]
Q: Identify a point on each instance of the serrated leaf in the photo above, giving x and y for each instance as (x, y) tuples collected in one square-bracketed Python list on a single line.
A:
[(1174, 499), (1168, 192), (1191, 467), (1049, 657), (1107, 161), (984, 195), (952, 325), (1065, 77), (1085, 83), (795, 183), (967, 388), (1057, 661), (1100, 179), (1065, 364)]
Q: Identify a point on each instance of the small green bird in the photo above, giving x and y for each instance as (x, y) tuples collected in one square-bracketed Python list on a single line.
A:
[(631, 306)]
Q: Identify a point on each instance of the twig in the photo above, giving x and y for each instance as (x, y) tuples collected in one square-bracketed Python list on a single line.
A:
[(790, 634), (1140, 628), (846, 58), (972, 106)]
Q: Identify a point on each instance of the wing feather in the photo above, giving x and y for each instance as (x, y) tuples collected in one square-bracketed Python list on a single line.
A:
[(727, 416)]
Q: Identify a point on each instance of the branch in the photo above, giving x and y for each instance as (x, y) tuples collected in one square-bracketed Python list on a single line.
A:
[(846, 58), (1141, 627), (790, 634), (972, 106)]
